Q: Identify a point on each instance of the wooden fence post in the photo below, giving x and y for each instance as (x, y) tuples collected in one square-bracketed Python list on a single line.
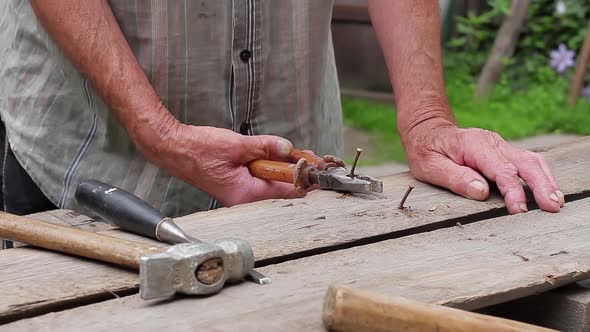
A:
[(581, 68), (504, 47)]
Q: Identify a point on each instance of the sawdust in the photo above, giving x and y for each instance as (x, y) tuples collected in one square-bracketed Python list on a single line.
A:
[(408, 212)]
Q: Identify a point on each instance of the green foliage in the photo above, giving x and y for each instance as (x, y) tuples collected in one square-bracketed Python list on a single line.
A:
[(378, 119), (535, 109), (477, 32), (542, 32)]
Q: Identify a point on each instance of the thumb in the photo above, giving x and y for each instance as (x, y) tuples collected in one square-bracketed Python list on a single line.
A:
[(264, 147), (462, 180)]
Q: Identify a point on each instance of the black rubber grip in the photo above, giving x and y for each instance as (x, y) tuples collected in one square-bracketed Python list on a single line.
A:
[(120, 207)]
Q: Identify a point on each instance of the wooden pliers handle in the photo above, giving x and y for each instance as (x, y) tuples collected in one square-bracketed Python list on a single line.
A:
[(296, 172)]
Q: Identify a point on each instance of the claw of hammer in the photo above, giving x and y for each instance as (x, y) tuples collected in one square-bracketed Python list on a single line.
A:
[(259, 278)]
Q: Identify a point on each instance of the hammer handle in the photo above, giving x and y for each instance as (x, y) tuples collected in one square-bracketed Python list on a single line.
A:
[(272, 170), (74, 241), (349, 309)]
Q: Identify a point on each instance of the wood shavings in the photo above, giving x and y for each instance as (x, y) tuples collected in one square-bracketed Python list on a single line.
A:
[(552, 279), (579, 270), (408, 212)]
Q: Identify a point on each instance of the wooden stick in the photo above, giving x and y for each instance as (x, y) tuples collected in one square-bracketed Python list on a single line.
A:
[(581, 68), (74, 241), (349, 309)]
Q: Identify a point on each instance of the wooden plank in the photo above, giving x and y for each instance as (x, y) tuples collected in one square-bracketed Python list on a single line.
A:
[(278, 230), (467, 267), (72, 219), (359, 58), (325, 218), (564, 309)]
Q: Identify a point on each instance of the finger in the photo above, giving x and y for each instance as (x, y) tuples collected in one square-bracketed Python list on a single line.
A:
[(264, 189), (531, 171), (549, 174), (266, 147), (497, 168), (442, 171)]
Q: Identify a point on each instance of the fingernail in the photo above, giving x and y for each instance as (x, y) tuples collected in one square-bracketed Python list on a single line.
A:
[(523, 207), (284, 147), (476, 190), (561, 197), (554, 197)]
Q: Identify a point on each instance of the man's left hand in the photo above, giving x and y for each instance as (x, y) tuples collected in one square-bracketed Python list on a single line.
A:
[(456, 158)]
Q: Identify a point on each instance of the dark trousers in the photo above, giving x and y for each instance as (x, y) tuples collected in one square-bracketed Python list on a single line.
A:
[(19, 194)]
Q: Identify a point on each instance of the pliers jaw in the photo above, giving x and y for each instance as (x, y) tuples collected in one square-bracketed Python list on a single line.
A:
[(339, 179)]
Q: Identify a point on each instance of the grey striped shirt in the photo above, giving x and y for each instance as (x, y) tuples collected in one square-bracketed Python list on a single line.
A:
[(253, 66)]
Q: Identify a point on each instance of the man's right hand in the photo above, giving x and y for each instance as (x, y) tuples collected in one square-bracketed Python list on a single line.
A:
[(214, 159), (208, 158)]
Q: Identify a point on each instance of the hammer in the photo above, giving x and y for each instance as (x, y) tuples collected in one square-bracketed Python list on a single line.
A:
[(133, 214), (189, 268), (349, 309)]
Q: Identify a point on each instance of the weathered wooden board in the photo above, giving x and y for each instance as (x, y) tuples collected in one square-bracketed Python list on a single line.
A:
[(282, 227), (72, 219), (278, 230), (468, 267)]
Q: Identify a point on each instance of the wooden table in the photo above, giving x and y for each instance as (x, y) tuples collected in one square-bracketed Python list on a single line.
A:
[(446, 250)]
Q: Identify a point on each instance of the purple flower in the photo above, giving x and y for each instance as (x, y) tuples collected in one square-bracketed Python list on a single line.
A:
[(586, 92), (562, 58), (560, 8)]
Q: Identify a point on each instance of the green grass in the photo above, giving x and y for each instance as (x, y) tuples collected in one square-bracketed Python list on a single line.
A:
[(538, 108)]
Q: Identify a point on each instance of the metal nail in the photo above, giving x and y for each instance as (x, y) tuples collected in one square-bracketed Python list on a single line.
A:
[(356, 160), (406, 194)]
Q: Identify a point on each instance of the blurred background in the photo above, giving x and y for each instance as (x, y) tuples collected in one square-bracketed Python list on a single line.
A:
[(517, 67)]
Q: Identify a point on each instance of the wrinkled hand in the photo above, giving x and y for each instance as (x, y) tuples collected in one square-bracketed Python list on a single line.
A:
[(453, 158), (213, 160)]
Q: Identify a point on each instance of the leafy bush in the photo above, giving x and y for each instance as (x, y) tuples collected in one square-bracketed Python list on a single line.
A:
[(544, 30)]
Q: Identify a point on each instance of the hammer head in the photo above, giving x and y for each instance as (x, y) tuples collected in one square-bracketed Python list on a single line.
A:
[(194, 268)]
